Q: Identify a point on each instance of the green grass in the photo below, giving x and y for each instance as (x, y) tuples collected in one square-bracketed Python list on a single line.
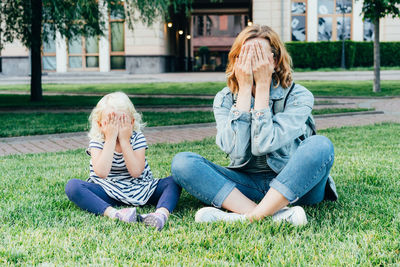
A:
[(88, 102), (325, 111), (351, 88), (319, 88), (39, 225), (71, 102), (20, 124), (131, 88)]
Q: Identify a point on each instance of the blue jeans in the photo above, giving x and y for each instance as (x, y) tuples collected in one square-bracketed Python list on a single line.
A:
[(302, 181), (93, 198)]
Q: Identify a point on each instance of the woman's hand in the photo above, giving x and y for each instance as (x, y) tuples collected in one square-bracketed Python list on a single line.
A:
[(262, 64), (243, 69), (263, 67), (125, 127), (244, 76), (110, 127)]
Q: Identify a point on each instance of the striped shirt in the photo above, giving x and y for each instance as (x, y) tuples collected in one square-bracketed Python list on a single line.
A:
[(119, 184)]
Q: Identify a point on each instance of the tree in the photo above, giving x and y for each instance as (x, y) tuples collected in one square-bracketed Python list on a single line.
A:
[(373, 10), (24, 19)]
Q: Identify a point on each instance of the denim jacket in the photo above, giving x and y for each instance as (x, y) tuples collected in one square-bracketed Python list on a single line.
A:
[(258, 132)]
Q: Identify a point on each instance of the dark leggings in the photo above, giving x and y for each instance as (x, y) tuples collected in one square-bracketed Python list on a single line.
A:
[(93, 198)]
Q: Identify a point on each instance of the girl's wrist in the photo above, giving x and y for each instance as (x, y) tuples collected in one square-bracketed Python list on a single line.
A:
[(108, 138), (124, 141)]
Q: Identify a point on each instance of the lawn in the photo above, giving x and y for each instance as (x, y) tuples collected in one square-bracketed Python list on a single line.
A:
[(15, 124), (15, 102), (40, 226), (319, 88), (72, 102)]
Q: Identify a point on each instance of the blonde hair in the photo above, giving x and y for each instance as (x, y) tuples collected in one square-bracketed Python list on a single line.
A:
[(283, 70), (118, 101)]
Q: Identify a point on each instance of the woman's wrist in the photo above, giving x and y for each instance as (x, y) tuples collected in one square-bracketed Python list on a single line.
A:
[(243, 102), (262, 95)]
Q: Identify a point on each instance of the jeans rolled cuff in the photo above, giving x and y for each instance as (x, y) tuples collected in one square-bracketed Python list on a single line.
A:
[(222, 194), (284, 190)]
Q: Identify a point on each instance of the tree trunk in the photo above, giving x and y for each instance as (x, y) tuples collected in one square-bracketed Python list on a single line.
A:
[(36, 44), (377, 58)]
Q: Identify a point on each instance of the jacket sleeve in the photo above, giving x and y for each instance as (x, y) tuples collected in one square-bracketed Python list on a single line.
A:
[(269, 133), (233, 126)]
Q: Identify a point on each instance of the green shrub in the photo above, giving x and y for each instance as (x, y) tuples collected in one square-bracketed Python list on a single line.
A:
[(316, 55)]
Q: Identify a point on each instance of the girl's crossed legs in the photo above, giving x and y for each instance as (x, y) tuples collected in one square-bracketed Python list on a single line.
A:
[(93, 198)]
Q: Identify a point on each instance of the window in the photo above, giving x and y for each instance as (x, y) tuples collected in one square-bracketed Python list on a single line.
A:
[(298, 23), (48, 50), (368, 31), (331, 24), (83, 53), (117, 38), (218, 25)]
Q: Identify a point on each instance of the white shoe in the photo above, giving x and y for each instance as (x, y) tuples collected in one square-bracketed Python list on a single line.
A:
[(210, 214), (294, 215)]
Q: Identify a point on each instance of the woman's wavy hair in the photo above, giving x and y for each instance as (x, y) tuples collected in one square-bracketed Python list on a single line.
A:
[(118, 101), (283, 62)]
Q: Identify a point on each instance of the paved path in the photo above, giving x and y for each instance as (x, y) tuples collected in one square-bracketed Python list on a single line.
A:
[(175, 134), (123, 77)]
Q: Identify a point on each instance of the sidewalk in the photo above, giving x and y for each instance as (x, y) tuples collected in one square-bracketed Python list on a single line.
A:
[(175, 134), (123, 77)]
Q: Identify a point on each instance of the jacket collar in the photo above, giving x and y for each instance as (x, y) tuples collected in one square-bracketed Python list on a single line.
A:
[(276, 93)]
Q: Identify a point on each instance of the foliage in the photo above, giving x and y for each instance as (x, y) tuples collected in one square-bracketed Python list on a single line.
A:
[(81, 17), (316, 55), (376, 9)]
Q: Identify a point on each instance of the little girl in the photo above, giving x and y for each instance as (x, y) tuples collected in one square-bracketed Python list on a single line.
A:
[(119, 172)]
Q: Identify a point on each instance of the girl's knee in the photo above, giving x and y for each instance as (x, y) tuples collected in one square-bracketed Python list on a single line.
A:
[(73, 187), (170, 183)]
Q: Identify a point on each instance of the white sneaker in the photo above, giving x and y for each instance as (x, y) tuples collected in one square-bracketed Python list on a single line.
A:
[(210, 214), (294, 215)]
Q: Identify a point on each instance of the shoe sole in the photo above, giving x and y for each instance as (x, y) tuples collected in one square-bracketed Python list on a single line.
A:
[(132, 217), (152, 222), (300, 213), (199, 217)]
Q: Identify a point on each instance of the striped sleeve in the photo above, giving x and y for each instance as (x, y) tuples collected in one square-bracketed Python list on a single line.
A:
[(94, 144), (139, 141)]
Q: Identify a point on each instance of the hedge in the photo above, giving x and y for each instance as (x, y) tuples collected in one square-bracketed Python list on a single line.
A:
[(316, 55)]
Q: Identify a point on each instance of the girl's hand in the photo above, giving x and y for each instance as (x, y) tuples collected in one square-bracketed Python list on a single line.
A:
[(262, 65), (243, 69), (125, 127), (109, 126)]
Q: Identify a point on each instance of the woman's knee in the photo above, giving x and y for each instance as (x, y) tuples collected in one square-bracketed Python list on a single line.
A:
[(73, 188), (321, 146), (182, 165)]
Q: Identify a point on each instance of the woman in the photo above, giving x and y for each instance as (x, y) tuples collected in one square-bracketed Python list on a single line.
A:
[(275, 159)]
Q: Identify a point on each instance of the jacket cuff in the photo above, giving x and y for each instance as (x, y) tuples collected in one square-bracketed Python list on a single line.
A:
[(239, 115), (261, 114)]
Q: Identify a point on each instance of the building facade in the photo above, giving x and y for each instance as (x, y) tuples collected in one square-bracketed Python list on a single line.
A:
[(200, 42)]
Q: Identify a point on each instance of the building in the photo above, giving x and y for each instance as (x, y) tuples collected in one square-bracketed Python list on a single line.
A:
[(200, 42)]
